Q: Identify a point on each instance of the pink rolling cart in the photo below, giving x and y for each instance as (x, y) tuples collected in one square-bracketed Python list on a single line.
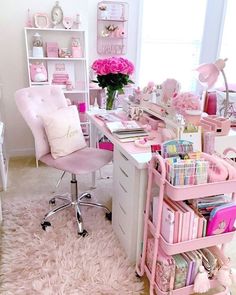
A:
[(177, 193)]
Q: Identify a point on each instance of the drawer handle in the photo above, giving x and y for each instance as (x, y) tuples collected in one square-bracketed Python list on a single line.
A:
[(124, 172), (123, 232), (122, 209), (123, 187), (124, 156)]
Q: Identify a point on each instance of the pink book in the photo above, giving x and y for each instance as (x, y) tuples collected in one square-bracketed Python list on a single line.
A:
[(193, 221), (190, 267), (185, 224), (200, 221), (178, 220), (167, 223)]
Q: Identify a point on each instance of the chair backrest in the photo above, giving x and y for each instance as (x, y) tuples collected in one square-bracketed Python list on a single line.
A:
[(33, 102)]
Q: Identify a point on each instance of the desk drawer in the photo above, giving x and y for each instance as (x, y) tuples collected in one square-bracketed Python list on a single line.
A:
[(124, 198), (123, 162), (124, 179)]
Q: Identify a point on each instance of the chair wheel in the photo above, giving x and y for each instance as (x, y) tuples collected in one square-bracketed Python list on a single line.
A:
[(109, 216), (84, 233), (88, 196), (45, 224), (52, 201)]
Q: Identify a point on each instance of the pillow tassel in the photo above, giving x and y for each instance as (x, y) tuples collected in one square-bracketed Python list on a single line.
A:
[(201, 282)]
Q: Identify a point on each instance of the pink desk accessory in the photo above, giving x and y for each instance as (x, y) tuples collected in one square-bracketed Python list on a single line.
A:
[(219, 125)]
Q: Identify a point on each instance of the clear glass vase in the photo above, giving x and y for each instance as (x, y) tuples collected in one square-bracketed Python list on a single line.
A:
[(111, 97)]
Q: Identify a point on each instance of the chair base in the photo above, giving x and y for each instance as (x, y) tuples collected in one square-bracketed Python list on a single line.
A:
[(76, 201)]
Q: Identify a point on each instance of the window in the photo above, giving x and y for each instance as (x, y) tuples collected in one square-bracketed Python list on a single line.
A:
[(171, 40), (228, 45)]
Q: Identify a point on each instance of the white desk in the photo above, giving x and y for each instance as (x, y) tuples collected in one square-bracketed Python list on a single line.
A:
[(130, 183)]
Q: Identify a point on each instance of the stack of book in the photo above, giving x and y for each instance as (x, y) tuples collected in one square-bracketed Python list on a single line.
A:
[(183, 222), (180, 270), (126, 131)]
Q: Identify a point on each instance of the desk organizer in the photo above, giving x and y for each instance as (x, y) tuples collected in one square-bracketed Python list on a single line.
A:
[(176, 193), (219, 125)]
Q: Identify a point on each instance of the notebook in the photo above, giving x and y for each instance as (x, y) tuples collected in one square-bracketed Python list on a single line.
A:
[(201, 221), (165, 271), (168, 223), (181, 271), (190, 262), (165, 267), (178, 220), (193, 221), (185, 222), (196, 257)]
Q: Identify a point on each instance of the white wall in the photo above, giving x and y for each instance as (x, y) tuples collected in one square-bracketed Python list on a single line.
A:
[(13, 70)]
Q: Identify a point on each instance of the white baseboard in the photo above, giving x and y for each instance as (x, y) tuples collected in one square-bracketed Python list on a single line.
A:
[(20, 152)]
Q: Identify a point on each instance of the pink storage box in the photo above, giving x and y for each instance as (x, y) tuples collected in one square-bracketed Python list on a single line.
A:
[(106, 145)]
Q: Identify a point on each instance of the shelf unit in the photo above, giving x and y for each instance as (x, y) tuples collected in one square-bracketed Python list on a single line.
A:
[(112, 28), (177, 193), (76, 68)]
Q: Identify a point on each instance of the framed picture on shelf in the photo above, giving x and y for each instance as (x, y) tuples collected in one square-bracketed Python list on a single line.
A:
[(41, 20), (61, 73)]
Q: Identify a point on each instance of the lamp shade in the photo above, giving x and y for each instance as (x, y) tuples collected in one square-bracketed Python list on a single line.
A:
[(209, 73)]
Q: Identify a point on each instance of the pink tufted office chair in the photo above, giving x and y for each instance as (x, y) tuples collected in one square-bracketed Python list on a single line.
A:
[(39, 100)]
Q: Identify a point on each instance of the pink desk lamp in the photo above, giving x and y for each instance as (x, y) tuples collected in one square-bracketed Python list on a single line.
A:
[(208, 75)]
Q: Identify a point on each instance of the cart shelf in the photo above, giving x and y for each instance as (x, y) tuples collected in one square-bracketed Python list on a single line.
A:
[(187, 192), (178, 193)]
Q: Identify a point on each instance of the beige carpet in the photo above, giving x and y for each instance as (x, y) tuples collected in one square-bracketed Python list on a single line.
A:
[(28, 183)]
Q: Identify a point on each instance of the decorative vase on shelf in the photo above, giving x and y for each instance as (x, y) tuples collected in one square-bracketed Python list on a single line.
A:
[(111, 98)]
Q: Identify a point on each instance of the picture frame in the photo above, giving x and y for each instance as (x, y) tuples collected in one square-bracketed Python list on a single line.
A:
[(57, 14), (41, 20)]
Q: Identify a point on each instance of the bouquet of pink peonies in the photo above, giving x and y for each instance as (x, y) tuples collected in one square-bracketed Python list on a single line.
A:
[(188, 105), (185, 101), (113, 73)]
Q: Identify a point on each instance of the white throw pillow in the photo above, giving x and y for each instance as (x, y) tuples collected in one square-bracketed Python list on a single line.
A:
[(64, 132), (220, 96)]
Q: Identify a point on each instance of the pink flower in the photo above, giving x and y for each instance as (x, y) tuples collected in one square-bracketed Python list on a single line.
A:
[(186, 101), (113, 65)]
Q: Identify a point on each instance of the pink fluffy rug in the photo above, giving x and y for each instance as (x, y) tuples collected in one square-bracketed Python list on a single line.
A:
[(58, 261)]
